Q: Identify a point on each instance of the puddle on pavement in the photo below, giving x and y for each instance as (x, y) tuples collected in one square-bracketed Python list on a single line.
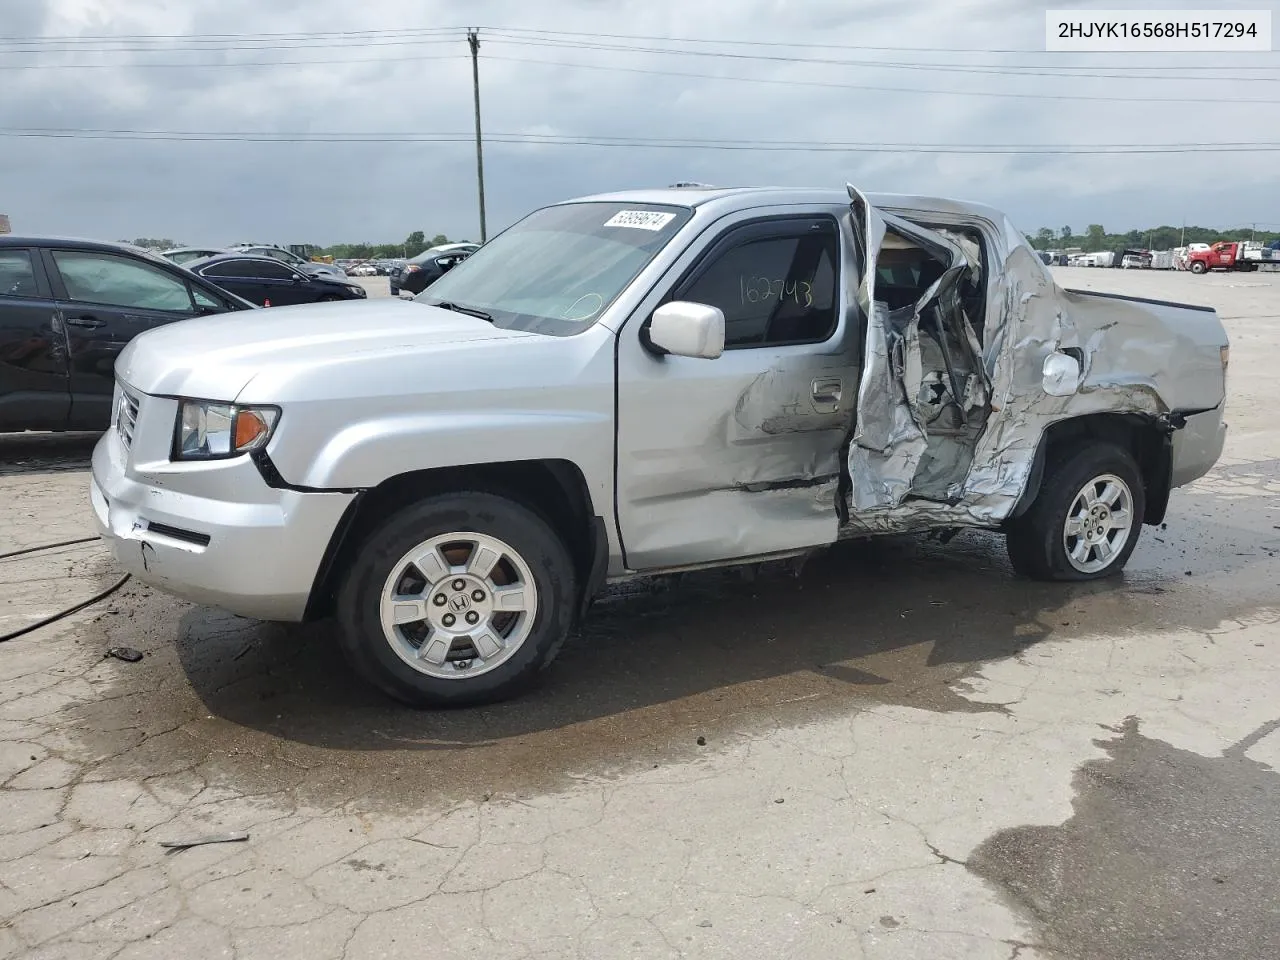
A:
[(1169, 855), (263, 708)]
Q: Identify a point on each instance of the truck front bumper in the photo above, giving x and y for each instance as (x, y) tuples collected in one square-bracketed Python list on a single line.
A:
[(254, 555)]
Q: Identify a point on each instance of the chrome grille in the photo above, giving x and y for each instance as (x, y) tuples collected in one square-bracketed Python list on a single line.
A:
[(127, 417)]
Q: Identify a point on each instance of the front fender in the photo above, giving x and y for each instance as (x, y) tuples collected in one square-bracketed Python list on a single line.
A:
[(536, 398), (365, 453)]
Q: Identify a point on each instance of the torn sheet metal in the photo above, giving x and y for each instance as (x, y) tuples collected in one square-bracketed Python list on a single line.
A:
[(1138, 357), (901, 446)]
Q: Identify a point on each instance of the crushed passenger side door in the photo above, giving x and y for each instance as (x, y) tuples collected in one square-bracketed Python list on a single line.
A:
[(924, 395)]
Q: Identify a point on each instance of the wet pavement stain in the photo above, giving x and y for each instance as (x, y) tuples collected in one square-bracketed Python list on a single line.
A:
[(272, 710), (269, 709), (1169, 855)]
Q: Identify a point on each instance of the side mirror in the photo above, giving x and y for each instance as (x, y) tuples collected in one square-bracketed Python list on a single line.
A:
[(298, 278), (688, 330), (1061, 375)]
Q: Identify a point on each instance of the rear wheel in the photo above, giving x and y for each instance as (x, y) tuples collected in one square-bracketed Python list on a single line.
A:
[(1198, 266), (459, 599), (1086, 519)]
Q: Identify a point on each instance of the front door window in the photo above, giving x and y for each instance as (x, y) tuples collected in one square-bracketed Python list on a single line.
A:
[(103, 278)]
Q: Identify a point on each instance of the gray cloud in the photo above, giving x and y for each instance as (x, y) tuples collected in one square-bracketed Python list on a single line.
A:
[(318, 192)]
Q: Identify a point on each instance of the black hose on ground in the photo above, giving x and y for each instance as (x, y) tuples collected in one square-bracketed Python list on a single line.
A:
[(68, 612), (47, 546)]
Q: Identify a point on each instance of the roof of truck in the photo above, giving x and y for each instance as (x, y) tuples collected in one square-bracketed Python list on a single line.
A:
[(740, 198)]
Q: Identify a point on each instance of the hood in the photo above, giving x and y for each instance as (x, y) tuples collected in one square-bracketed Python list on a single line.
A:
[(215, 357)]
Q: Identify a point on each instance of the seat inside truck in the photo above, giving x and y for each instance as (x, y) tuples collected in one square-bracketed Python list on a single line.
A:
[(950, 401)]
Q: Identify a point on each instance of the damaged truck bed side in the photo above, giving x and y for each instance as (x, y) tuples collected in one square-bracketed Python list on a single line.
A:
[(645, 383), (1043, 369)]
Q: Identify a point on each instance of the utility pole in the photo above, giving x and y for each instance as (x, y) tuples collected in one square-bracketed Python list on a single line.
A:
[(473, 40)]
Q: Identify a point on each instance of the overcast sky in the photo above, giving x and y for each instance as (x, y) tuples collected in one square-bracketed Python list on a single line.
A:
[(223, 192)]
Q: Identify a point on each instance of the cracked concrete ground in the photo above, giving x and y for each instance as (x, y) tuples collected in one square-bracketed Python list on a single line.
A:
[(902, 753)]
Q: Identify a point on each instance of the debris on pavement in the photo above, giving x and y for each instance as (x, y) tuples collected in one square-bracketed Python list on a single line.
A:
[(201, 841), (127, 654)]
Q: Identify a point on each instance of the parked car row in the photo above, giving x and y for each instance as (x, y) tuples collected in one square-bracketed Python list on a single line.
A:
[(69, 307), (416, 274), (185, 255), (270, 283), (373, 268)]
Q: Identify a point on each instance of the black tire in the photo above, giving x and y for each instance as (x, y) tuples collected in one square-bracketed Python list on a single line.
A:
[(1035, 540), (329, 298), (1198, 266), (368, 648)]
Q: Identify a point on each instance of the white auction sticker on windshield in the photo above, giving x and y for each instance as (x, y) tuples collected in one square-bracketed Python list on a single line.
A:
[(640, 219)]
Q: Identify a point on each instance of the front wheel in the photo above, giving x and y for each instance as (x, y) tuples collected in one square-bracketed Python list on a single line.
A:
[(1086, 519), (458, 599), (1198, 266)]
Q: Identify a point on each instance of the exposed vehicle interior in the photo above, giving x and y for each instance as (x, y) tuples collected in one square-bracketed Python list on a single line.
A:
[(950, 402)]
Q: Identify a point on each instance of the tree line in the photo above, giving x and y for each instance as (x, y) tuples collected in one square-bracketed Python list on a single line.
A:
[(411, 246), (1096, 237)]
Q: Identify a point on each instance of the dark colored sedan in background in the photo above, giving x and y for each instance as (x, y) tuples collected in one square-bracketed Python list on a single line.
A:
[(67, 309), (424, 269), (184, 255), (268, 282)]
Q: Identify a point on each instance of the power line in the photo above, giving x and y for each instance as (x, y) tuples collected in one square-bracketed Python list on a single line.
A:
[(230, 63), (632, 142), (1007, 70), (531, 32), (1197, 98), (566, 39), (218, 37), (772, 43), (356, 43)]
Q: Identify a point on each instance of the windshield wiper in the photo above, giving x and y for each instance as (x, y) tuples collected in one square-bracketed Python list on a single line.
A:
[(460, 308)]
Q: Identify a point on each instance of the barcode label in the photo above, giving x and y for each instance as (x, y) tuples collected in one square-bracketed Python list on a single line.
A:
[(640, 219)]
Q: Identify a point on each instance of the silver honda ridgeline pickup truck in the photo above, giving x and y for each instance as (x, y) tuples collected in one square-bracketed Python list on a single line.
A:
[(644, 383)]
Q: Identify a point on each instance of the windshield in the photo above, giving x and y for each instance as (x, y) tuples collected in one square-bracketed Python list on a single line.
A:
[(558, 269)]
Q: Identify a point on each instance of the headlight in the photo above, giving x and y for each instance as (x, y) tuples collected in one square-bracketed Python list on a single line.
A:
[(356, 289), (213, 431)]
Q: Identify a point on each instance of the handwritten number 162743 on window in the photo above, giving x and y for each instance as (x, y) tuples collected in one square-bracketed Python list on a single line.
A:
[(759, 289)]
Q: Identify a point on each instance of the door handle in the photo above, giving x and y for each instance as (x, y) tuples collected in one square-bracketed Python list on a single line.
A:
[(826, 394), (90, 322)]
